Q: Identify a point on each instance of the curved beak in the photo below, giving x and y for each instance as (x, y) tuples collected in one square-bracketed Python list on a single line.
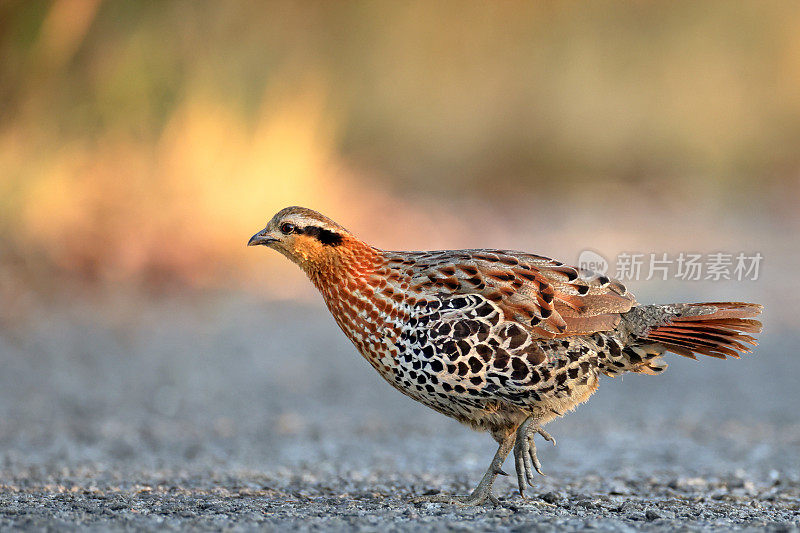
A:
[(262, 238)]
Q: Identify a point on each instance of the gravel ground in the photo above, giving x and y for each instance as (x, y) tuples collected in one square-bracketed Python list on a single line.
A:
[(220, 412)]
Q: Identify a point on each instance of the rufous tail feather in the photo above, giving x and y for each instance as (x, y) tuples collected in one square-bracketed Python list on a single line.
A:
[(722, 333)]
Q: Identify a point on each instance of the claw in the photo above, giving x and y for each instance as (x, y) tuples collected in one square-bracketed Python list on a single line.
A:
[(536, 464), (547, 436), (526, 457), (520, 471), (525, 453), (501, 472)]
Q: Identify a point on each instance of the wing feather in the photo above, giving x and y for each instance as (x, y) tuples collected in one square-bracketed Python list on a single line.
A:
[(548, 298)]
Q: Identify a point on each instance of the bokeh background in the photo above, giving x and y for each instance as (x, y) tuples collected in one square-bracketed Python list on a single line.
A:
[(142, 143)]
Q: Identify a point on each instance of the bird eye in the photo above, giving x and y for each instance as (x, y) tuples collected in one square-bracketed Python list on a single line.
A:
[(287, 228)]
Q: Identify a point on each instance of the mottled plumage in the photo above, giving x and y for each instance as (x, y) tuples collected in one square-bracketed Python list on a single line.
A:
[(501, 340)]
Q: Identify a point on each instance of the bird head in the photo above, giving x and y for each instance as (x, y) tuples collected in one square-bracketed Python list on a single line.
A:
[(304, 236)]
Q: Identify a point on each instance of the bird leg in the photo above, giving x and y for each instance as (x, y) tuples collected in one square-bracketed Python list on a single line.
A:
[(483, 492), (525, 452)]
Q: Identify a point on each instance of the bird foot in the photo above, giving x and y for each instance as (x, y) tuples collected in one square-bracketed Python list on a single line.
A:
[(473, 499), (482, 494), (525, 456), (537, 501)]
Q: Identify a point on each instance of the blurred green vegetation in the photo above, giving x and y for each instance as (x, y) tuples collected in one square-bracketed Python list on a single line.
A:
[(133, 120)]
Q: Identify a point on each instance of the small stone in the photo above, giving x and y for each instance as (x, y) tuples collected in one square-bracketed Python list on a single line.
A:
[(588, 504), (736, 483), (550, 497), (652, 515)]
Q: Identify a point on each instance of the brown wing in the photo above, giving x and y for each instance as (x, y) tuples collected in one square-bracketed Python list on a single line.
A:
[(549, 298)]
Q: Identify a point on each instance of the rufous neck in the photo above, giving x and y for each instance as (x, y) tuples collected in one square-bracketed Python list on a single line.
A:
[(351, 261)]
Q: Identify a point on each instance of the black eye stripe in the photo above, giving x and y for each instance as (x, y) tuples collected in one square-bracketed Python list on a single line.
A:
[(325, 236)]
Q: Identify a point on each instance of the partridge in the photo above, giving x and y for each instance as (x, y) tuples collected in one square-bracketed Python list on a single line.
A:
[(502, 341)]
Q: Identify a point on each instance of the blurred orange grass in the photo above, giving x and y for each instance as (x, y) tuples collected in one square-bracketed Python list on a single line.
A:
[(113, 209)]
